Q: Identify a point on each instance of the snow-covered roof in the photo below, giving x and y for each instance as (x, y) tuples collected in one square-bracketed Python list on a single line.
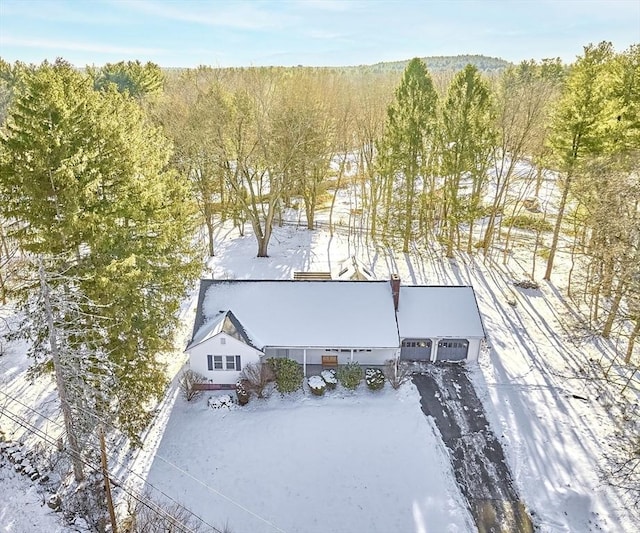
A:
[(223, 322), (301, 313), (448, 311), (353, 269)]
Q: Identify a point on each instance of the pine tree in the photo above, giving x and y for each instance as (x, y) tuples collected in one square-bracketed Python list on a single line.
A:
[(407, 146), (467, 142), (84, 175), (581, 123), (132, 76)]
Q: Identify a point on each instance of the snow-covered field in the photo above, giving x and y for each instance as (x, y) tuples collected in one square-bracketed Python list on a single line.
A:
[(369, 462)]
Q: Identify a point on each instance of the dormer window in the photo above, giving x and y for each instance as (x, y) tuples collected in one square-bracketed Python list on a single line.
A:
[(223, 340)]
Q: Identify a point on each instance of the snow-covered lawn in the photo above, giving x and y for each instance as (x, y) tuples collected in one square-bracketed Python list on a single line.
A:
[(344, 462)]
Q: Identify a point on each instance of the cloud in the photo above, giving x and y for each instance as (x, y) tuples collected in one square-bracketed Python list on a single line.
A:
[(61, 12), (243, 15), (63, 45), (327, 5), (325, 35)]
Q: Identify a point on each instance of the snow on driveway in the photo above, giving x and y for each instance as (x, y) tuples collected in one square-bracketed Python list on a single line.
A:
[(346, 462), (476, 455)]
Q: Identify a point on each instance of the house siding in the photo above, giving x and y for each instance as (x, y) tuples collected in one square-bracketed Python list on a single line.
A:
[(474, 350), (199, 358)]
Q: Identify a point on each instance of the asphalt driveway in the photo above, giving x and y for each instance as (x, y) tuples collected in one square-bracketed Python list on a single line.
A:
[(447, 395)]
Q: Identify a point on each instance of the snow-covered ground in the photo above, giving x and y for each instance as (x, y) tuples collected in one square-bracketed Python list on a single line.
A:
[(22, 507), (373, 462), (552, 440), (343, 462)]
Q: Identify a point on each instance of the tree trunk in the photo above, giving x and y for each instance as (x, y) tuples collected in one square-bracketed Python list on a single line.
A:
[(335, 194), (67, 414), (209, 224), (450, 240), (535, 253), (262, 247), (309, 209), (470, 240), (632, 341), (556, 229), (613, 312)]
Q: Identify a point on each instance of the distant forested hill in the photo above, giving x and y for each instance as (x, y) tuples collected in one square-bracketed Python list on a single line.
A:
[(434, 64), (445, 63)]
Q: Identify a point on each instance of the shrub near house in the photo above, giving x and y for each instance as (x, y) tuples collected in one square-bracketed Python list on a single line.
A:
[(288, 374), (350, 375)]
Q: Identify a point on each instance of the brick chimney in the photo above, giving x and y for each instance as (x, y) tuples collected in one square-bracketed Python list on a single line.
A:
[(395, 290)]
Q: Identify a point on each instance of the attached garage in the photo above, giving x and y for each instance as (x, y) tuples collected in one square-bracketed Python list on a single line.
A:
[(452, 350), (415, 349), (438, 323)]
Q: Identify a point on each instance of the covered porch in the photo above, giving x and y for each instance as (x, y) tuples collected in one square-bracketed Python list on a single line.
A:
[(314, 360)]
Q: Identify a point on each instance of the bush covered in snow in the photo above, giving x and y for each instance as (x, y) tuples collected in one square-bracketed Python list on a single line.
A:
[(288, 374), (317, 385), (329, 377), (242, 393), (374, 378), (350, 375), (220, 402)]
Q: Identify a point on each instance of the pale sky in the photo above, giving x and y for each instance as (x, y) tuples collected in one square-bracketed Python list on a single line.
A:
[(188, 33)]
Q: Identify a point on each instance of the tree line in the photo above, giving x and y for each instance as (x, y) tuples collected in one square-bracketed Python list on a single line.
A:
[(106, 174), (536, 154)]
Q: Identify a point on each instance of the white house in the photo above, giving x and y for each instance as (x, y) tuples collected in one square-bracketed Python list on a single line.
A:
[(327, 323)]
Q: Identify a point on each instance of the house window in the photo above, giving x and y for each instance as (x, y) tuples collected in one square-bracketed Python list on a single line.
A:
[(209, 362), (217, 362), (223, 340), (233, 362)]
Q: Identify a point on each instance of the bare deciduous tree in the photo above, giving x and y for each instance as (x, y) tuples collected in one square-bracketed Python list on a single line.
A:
[(189, 381), (256, 377)]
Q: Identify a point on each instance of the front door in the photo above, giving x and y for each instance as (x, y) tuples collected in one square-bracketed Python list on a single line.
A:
[(329, 360)]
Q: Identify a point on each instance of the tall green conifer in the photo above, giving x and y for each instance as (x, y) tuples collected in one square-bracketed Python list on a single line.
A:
[(85, 176), (467, 142), (407, 146)]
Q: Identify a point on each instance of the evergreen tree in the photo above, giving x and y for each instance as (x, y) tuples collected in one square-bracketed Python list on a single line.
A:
[(407, 146), (132, 76), (84, 175), (581, 124), (467, 142)]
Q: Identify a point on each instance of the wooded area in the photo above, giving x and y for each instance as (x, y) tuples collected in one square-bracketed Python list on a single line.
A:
[(107, 174)]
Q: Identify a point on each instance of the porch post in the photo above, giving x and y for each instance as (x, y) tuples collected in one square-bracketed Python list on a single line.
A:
[(304, 362), (351, 355), (434, 349)]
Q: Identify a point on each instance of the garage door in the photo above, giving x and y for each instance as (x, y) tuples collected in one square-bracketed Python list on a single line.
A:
[(415, 350), (452, 350)]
